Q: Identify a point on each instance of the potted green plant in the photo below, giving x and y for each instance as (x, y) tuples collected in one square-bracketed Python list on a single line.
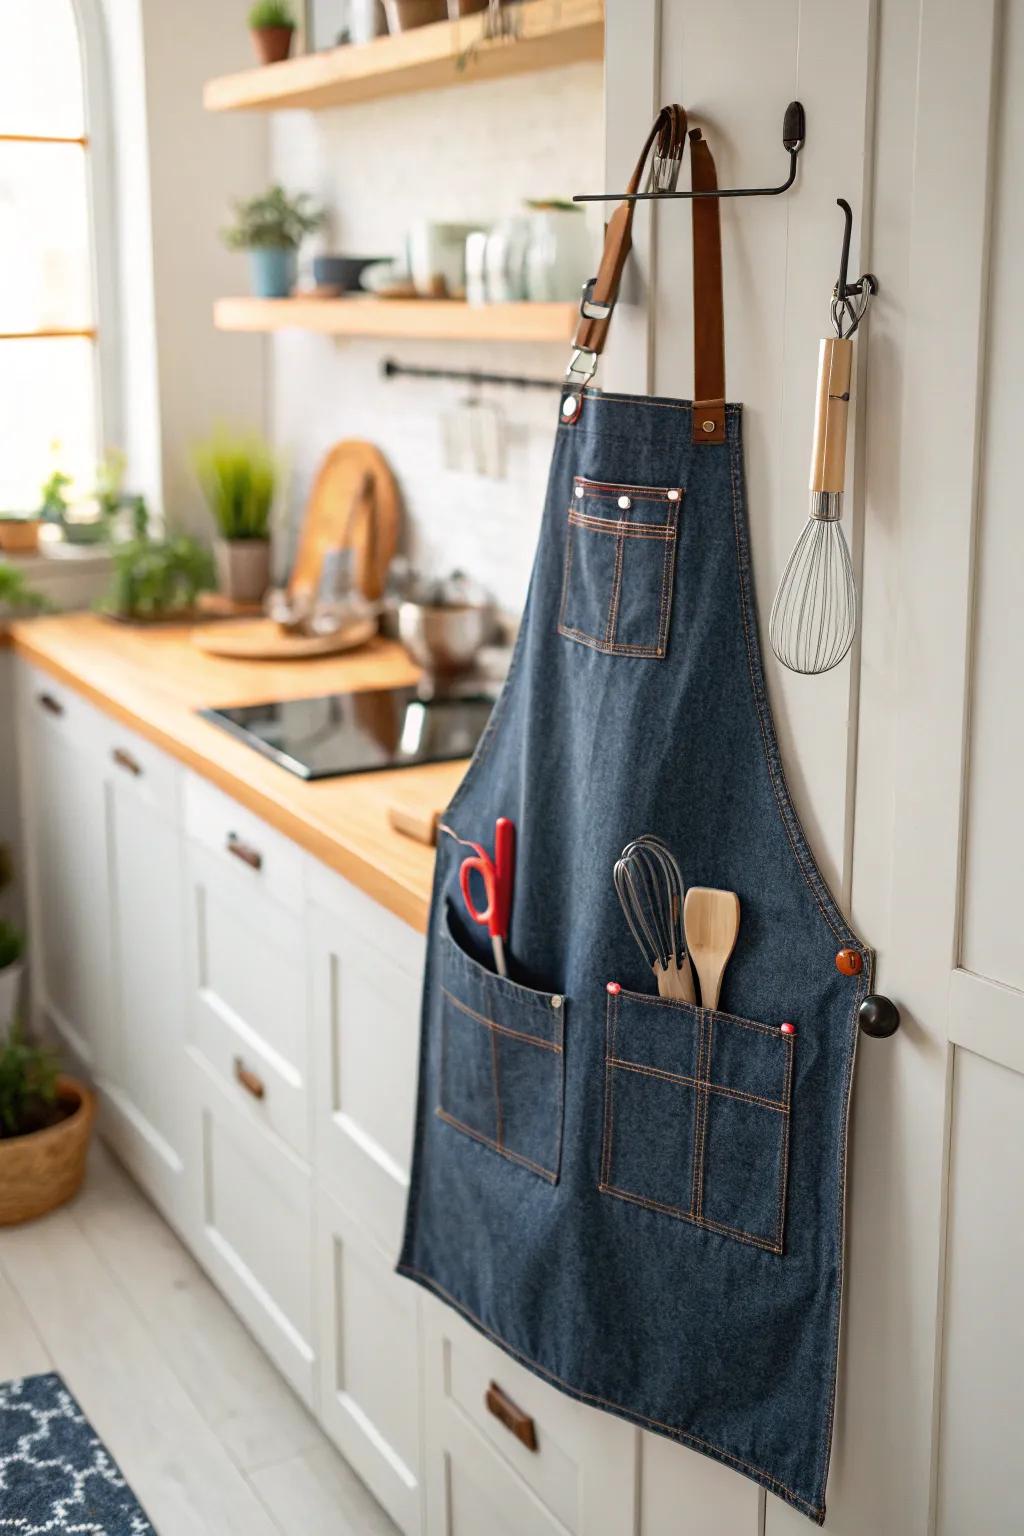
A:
[(272, 27), (17, 597), (156, 579), (45, 1123), (270, 229), (238, 474)]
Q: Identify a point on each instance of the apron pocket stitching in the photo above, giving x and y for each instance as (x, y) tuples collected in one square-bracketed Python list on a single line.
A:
[(487, 1141), (731, 1148)]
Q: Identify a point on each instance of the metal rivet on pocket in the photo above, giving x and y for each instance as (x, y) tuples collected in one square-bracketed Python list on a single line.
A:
[(673, 495), (787, 1028), (578, 491), (708, 426), (569, 405), (613, 987), (556, 1001), (849, 962), (625, 503)]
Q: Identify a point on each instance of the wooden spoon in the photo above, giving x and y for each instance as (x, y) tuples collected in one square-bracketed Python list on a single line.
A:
[(712, 923)]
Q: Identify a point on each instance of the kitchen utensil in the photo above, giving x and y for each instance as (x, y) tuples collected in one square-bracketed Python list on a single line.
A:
[(354, 504), (711, 920), (445, 639), (649, 885), (814, 615), (497, 875)]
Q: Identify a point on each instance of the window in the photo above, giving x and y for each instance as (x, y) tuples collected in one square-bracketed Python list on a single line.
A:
[(49, 386)]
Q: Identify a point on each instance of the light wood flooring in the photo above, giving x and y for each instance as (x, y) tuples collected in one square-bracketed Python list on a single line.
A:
[(206, 1432)]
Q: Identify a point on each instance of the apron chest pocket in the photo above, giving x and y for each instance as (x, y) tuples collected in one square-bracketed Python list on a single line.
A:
[(696, 1116), (502, 1062), (620, 559)]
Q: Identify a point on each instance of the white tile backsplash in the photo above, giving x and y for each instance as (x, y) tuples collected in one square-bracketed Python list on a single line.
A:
[(475, 151)]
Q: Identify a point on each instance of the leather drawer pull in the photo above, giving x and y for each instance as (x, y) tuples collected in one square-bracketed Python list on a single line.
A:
[(248, 1080), (50, 704), (125, 760), (244, 852), (514, 1419)]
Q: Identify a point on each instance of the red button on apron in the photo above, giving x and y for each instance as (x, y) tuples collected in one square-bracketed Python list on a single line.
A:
[(850, 962), (614, 988), (787, 1029)]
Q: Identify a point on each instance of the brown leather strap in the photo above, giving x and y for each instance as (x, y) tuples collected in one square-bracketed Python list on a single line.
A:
[(669, 130), (708, 319)]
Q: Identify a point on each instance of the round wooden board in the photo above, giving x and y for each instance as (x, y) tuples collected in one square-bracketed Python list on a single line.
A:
[(354, 479), (263, 640)]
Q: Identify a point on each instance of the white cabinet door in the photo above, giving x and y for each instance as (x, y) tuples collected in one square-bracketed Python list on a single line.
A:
[(368, 1319), (366, 974), (145, 1083), (255, 1227), (66, 839)]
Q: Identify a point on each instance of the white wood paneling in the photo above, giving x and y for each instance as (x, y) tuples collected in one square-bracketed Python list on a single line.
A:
[(983, 1383)]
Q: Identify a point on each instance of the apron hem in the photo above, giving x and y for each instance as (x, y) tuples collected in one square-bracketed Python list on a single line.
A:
[(814, 1512)]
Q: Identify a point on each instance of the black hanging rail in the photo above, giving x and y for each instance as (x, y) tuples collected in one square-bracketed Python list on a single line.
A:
[(794, 133), (392, 370)]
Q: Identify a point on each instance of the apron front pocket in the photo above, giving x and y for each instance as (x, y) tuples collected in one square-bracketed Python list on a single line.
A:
[(696, 1116), (620, 558), (502, 1061)]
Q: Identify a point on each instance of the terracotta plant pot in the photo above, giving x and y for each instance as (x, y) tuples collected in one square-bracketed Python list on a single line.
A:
[(19, 535), (403, 15), (272, 44), (43, 1169), (243, 568)]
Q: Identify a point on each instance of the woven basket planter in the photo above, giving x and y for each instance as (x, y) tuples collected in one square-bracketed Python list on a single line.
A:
[(45, 1168)]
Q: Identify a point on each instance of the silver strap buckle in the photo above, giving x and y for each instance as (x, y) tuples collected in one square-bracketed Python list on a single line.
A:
[(588, 308), (582, 367)]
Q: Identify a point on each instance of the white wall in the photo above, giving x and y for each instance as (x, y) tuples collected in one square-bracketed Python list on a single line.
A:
[(175, 169), (475, 151)]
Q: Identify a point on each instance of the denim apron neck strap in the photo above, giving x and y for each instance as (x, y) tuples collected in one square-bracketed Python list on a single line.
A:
[(667, 137)]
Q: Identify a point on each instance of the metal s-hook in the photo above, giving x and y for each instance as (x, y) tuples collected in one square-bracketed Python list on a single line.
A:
[(850, 300)]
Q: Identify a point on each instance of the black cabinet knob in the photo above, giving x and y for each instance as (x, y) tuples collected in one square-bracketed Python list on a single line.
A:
[(878, 1016)]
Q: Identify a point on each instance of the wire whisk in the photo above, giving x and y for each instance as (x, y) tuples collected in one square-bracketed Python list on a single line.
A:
[(649, 885), (814, 615)]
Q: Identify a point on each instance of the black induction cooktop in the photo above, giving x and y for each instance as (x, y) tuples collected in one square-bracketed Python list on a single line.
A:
[(342, 733)]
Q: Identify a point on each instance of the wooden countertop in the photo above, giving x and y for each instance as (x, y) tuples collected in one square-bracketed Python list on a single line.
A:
[(155, 678)]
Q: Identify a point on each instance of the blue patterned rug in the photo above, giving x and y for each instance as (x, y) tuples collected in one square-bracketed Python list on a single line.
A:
[(55, 1472)]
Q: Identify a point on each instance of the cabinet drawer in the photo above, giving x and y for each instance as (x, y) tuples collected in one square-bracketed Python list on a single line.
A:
[(255, 1229), (141, 768), (49, 703), (248, 1010), (499, 1433), (262, 860)]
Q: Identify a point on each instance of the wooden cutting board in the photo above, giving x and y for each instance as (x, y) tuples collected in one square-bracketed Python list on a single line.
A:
[(354, 504), (264, 640)]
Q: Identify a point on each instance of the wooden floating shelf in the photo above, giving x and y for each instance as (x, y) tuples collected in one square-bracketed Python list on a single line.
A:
[(419, 319), (553, 33)]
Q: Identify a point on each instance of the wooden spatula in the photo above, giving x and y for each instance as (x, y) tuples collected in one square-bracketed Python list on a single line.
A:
[(712, 923)]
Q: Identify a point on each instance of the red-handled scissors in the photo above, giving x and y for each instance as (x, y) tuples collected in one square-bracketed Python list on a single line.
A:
[(496, 875)]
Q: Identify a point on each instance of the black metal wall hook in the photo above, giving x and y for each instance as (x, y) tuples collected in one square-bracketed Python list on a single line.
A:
[(850, 300), (794, 133)]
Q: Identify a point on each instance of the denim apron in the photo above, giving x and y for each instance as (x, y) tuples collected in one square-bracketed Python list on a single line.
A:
[(639, 1199)]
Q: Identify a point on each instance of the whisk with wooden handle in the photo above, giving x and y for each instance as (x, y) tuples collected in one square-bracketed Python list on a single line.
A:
[(814, 615), (649, 885)]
